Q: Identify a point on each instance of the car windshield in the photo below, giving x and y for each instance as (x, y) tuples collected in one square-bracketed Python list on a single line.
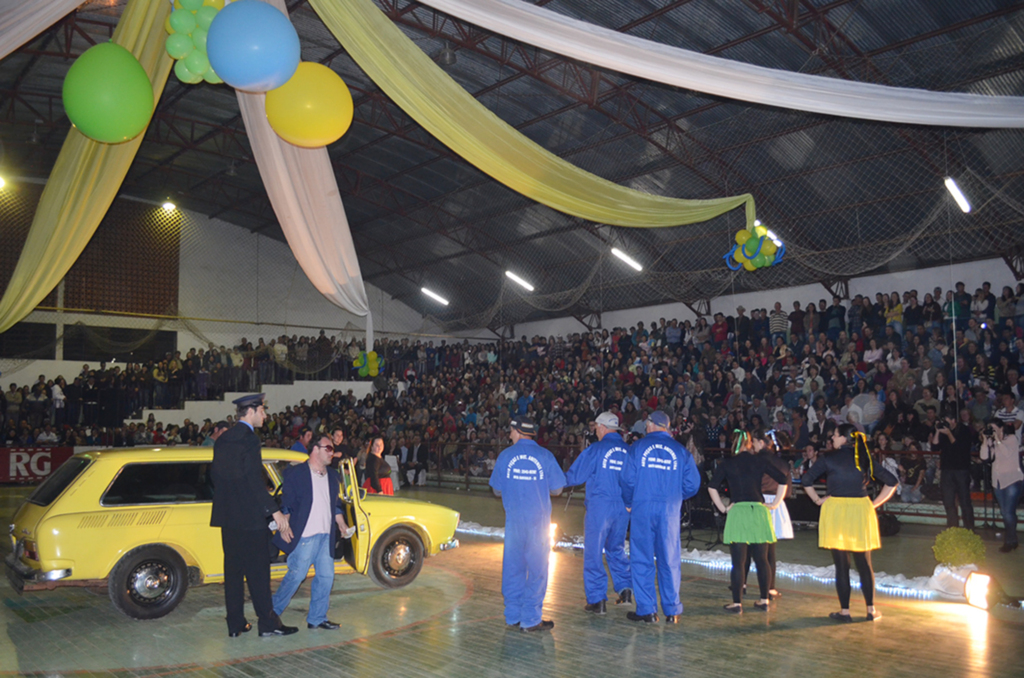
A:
[(53, 486)]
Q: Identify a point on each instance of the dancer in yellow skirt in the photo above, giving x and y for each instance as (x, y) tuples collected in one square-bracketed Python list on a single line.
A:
[(748, 523), (848, 524)]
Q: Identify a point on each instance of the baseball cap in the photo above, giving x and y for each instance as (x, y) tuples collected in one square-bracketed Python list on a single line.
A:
[(608, 420), (659, 419), (525, 425)]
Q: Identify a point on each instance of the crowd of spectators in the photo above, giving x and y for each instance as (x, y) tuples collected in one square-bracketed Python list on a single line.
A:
[(924, 358)]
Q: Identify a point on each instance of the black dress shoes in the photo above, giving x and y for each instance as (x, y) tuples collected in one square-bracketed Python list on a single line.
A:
[(671, 618), (645, 618), (599, 607), (625, 596), (543, 626), (281, 630), (245, 629), (325, 625)]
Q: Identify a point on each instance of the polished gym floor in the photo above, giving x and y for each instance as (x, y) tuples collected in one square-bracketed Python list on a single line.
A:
[(449, 622)]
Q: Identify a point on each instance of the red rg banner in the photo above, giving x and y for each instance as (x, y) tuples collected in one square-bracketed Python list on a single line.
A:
[(31, 464)]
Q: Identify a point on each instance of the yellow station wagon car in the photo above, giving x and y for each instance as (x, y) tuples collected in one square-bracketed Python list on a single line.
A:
[(137, 520)]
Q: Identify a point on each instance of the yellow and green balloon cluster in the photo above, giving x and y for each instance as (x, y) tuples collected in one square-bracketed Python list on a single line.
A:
[(187, 28), (368, 363), (754, 249)]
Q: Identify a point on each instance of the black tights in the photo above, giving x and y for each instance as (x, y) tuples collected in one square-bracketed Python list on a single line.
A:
[(759, 554), (771, 566), (867, 576)]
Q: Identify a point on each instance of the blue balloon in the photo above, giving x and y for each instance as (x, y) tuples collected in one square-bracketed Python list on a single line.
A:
[(253, 46)]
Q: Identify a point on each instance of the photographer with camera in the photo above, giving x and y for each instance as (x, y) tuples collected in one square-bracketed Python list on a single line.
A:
[(953, 441), (999, 444)]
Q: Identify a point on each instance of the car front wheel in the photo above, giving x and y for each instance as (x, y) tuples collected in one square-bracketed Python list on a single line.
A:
[(148, 582), (396, 558)]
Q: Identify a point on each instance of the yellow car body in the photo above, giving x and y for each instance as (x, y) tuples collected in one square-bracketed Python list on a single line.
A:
[(102, 509)]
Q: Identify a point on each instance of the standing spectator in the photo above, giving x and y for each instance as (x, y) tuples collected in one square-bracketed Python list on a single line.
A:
[(953, 441), (1007, 479)]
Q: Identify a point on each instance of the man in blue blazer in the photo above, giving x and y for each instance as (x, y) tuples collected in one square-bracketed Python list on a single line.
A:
[(310, 498)]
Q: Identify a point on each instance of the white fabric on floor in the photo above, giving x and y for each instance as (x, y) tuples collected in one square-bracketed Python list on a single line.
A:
[(723, 77)]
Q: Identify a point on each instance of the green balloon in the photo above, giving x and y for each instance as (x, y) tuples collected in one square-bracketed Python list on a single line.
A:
[(197, 63), (760, 260), (178, 45), (769, 259), (212, 78), (199, 39), (107, 95), (205, 16), (363, 371), (183, 21), (190, 5), (185, 75)]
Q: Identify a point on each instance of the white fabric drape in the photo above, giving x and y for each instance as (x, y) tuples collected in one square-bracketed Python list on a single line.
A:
[(20, 20), (304, 193), (714, 75)]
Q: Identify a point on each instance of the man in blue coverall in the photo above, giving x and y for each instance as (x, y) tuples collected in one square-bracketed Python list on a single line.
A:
[(604, 528), (526, 476), (658, 476)]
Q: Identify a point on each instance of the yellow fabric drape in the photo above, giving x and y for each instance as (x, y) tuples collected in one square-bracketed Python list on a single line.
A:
[(85, 178), (424, 91)]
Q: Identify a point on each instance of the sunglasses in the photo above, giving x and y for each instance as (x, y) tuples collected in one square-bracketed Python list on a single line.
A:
[(329, 448)]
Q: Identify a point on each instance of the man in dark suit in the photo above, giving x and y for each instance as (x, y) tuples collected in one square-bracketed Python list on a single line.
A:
[(311, 499), (242, 509)]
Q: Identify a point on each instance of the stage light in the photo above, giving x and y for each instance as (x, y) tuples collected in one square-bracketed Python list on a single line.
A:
[(551, 533), (958, 195), (626, 258), (2, 182), (434, 295), (984, 592), (515, 278), (168, 206)]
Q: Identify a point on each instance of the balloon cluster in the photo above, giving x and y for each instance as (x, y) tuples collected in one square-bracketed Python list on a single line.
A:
[(755, 248), (188, 29), (368, 363)]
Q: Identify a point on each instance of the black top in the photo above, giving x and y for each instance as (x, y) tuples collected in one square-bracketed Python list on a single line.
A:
[(844, 480), (240, 497), (376, 468), (768, 484), (956, 456), (743, 473)]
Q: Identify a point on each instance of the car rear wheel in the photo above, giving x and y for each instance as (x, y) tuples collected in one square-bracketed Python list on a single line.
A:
[(396, 558), (148, 582)]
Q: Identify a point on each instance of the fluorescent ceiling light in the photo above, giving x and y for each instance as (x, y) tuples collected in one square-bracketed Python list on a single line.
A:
[(958, 195), (168, 206), (434, 295), (626, 258), (515, 278)]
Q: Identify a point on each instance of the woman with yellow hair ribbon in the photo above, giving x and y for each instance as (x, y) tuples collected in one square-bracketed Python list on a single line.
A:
[(848, 525), (748, 523)]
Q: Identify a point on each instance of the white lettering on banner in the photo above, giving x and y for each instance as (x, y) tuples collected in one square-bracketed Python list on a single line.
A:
[(525, 473), (659, 463), (614, 464), (17, 468)]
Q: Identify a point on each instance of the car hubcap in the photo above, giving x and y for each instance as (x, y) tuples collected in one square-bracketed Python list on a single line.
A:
[(398, 558), (150, 583)]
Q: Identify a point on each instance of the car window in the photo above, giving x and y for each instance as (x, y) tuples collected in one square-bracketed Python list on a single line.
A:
[(52, 487), (162, 483)]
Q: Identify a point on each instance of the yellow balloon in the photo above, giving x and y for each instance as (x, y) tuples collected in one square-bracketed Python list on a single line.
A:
[(167, 25), (739, 256), (314, 108), (747, 264), (216, 4), (760, 231), (742, 236), (769, 247)]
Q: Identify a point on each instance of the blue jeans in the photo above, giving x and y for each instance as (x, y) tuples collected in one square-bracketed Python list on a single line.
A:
[(316, 551), (1008, 498)]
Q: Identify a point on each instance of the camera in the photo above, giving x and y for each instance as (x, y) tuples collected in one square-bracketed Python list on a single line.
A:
[(990, 430)]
